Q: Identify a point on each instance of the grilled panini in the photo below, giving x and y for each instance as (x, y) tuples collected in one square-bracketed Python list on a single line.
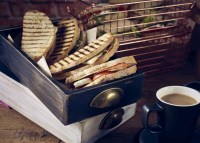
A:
[(102, 57), (105, 55), (39, 35), (100, 73), (83, 54), (67, 35)]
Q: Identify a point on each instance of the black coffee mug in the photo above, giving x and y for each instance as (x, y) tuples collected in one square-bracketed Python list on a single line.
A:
[(176, 122), (194, 85)]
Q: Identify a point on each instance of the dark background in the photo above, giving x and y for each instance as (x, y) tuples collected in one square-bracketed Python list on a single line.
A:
[(12, 11)]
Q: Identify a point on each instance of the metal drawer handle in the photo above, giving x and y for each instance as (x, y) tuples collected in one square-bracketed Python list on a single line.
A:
[(107, 98), (112, 119)]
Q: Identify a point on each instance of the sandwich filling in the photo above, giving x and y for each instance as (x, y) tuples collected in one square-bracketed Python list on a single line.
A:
[(103, 73), (113, 69)]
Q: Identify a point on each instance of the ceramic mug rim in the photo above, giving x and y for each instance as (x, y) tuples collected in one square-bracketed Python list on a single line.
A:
[(178, 90)]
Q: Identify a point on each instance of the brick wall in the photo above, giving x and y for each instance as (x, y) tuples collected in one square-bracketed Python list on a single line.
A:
[(12, 11)]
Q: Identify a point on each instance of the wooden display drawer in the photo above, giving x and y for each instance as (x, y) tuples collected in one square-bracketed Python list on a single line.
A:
[(24, 101), (68, 106)]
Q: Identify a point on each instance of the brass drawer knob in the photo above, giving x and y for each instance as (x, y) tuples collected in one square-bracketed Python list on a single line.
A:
[(112, 119), (107, 98)]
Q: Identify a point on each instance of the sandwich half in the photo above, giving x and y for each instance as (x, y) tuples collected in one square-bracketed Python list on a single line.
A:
[(39, 35), (104, 72), (105, 55), (67, 36), (82, 55)]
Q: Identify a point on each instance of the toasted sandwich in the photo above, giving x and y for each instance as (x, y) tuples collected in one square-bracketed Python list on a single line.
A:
[(105, 54), (67, 36), (63, 75), (39, 35), (104, 72), (83, 55)]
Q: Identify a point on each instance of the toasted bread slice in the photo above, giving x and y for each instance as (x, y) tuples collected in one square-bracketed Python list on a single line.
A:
[(39, 35), (106, 54), (64, 75), (109, 52), (99, 68), (82, 54), (113, 76), (82, 82), (67, 35), (94, 59)]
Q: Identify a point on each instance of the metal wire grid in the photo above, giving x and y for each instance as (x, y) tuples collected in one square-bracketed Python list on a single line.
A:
[(160, 44)]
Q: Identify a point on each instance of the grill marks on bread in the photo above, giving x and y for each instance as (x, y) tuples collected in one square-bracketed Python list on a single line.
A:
[(109, 66), (83, 54), (67, 35), (38, 35)]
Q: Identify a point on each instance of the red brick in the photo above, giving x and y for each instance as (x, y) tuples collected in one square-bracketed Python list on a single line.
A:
[(62, 9), (49, 9), (4, 9), (63, 1), (4, 23), (10, 22), (16, 21), (41, 1), (18, 1), (19, 9)]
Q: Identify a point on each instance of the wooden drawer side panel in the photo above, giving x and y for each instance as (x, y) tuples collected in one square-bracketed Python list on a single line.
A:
[(34, 79)]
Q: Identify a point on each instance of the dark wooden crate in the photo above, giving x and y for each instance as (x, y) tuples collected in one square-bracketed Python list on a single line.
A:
[(68, 106)]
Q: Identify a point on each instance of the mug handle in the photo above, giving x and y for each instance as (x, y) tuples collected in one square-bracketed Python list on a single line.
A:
[(146, 111)]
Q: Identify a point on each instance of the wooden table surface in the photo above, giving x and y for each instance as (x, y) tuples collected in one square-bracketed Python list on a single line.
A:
[(15, 128)]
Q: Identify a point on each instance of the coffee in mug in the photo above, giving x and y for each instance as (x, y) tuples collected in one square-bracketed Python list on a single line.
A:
[(179, 99), (177, 109)]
